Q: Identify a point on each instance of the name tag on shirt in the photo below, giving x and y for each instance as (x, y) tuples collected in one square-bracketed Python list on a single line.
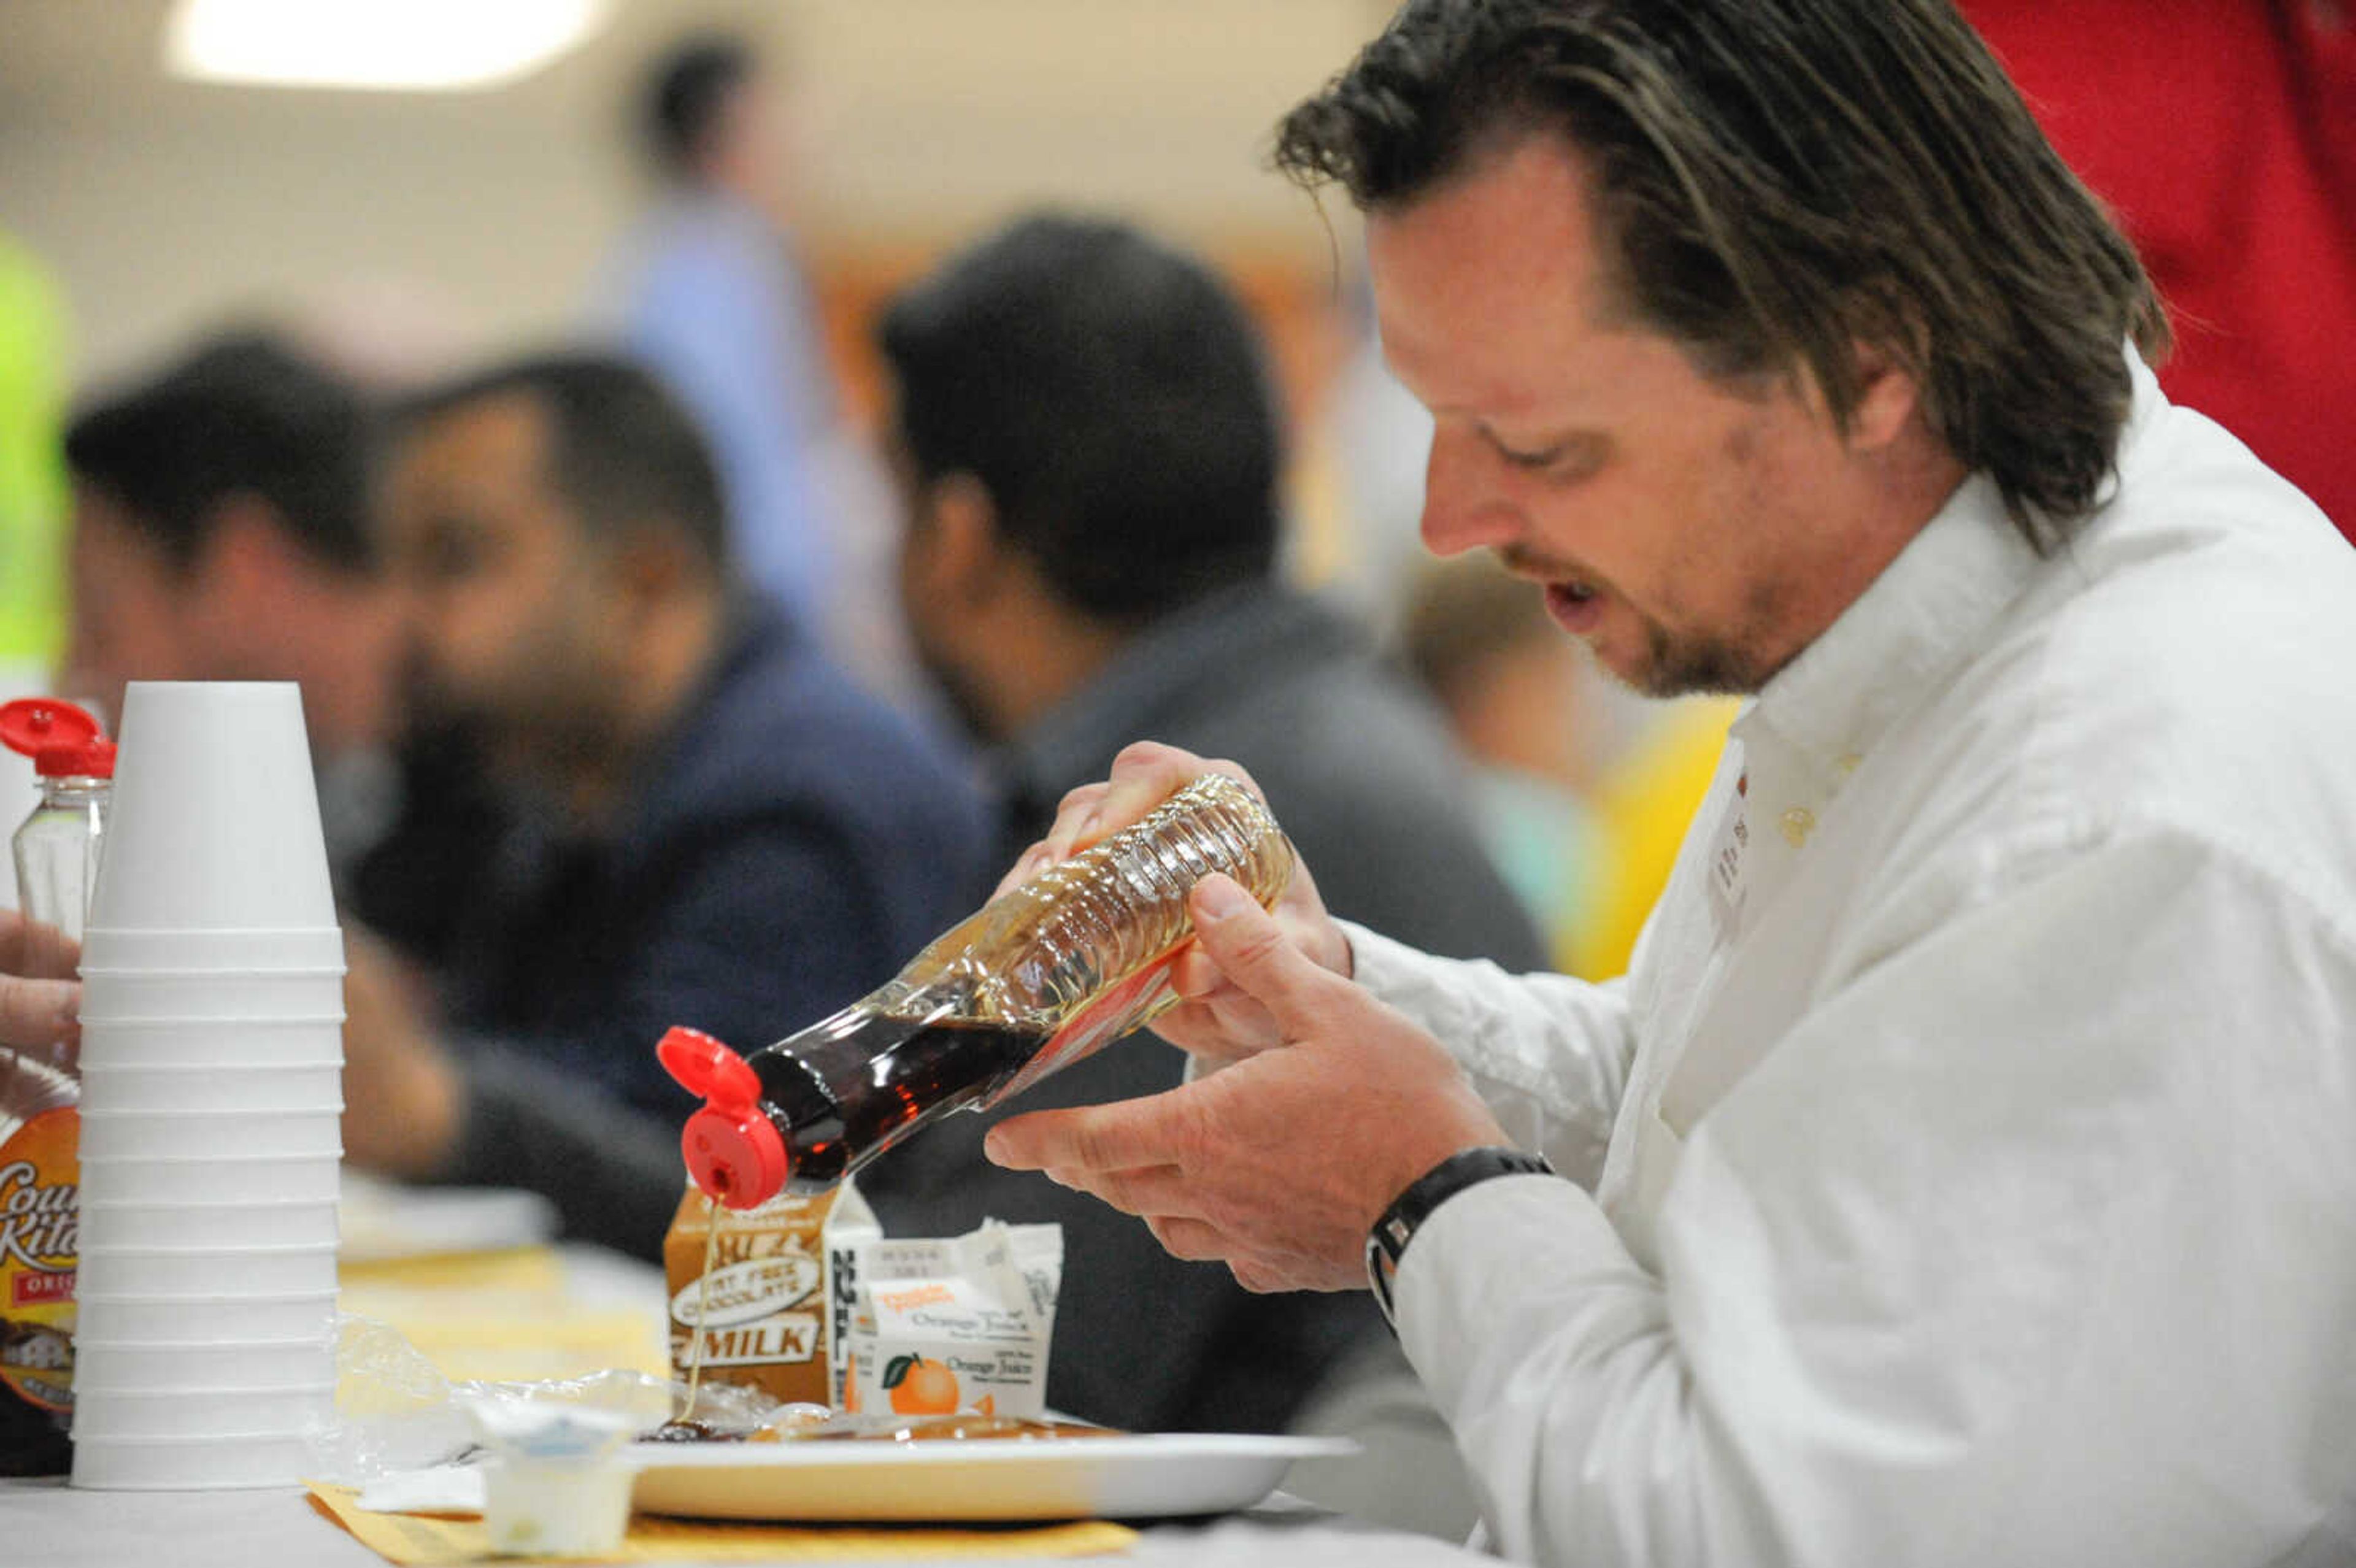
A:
[(1727, 848)]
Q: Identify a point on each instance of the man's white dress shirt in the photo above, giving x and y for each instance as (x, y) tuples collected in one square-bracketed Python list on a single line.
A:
[(1966, 1168)]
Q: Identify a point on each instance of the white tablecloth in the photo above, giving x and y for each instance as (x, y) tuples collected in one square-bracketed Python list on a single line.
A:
[(47, 1524)]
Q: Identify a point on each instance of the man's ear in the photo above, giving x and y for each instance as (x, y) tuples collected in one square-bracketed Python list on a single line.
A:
[(959, 550), (247, 556), (648, 569), (1888, 398)]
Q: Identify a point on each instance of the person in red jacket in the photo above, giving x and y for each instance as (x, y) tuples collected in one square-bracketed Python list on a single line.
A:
[(2224, 135)]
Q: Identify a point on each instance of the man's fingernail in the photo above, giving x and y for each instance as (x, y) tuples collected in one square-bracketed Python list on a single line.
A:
[(1220, 898), (1087, 824), (993, 1145)]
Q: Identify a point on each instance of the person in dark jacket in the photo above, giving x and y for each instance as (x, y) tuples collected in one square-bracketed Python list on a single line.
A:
[(711, 826), (1088, 451)]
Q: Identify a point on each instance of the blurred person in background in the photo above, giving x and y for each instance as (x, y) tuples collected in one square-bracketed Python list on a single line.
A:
[(1962, 1172), (2222, 133), (221, 532), (711, 826), (1523, 703), (1089, 451), (1585, 789), (709, 293)]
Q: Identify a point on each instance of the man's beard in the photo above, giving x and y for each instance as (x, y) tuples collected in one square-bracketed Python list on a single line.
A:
[(1695, 666)]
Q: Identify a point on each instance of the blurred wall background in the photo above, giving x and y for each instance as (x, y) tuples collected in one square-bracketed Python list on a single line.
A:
[(479, 217), (420, 231)]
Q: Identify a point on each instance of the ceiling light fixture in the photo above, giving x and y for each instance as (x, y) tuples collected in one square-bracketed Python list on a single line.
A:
[(382, 45)]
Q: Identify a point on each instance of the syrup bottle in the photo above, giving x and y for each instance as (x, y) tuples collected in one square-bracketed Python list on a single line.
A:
[(41, 1177), (1039, 977)]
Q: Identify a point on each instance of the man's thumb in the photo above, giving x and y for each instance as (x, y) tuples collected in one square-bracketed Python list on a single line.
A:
[(1250, 949)]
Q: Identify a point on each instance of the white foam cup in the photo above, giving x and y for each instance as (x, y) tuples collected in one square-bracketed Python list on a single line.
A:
[(315, 1040), (297, 948), (201, 1087), (215, 821), (159, 1319), (315, 1133), (105, 1270), (111, 995), (316, 1179), (262, 1224), (158, 1366), (190, 1464), (202, 1413)]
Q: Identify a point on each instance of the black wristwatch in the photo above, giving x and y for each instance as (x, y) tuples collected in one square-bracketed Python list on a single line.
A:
[(1386, 1242)]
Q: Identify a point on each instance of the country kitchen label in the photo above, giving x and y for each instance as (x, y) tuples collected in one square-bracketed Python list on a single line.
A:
[(41, 1219)]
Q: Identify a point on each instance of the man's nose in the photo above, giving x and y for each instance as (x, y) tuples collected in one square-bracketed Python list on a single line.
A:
[(1462, 506)]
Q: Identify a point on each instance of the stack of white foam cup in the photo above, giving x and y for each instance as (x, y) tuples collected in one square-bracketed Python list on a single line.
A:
[(212, 1055)]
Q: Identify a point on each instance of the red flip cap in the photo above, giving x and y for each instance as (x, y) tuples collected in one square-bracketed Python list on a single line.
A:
[(731, 1149), (61, 739)]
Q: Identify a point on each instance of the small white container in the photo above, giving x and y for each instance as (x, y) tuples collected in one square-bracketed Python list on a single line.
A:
[(151, 1318), (190, 1086), (212, 1039), (306, 1179), (161, 1366), (209, 1271), (268, 1225), (556, 1509), (191, 1463), (557, 1483), (202, 1413), (318, 947), (313, 1133), (112, 994), (216, 818)]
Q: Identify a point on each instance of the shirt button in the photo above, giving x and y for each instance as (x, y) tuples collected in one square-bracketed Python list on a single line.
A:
[(1797, 824), (1848, 761)]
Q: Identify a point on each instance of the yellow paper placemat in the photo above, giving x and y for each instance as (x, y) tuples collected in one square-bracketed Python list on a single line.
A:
[(508, 1268), (501, 1315), (441, 1541)]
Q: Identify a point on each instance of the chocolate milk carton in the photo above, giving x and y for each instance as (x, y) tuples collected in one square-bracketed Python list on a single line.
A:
[(755, 1288)]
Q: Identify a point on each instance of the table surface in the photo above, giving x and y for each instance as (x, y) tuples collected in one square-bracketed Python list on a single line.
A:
[(47, 1524)]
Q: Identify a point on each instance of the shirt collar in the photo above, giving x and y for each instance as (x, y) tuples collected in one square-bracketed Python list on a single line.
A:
[(1930, 608)]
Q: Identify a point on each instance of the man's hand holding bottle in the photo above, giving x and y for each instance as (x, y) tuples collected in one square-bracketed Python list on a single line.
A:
[(1329, 1103)]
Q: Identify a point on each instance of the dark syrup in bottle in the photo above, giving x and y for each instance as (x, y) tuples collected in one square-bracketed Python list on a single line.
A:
[(844, 1099)]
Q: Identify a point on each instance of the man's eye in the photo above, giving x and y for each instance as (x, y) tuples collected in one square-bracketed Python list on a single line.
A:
[(1545, 458)]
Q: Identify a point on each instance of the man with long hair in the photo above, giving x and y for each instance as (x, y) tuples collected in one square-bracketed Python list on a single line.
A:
[(1962, 1173)]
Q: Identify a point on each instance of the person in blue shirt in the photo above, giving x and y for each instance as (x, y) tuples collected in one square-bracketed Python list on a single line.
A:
[(710, 295), (711, 826)]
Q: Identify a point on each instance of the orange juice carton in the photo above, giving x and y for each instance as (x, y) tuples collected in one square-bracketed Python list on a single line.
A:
[(751, 1300), (961, 1323)]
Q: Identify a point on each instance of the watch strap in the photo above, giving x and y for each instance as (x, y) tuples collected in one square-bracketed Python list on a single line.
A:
[(1386, 1242)]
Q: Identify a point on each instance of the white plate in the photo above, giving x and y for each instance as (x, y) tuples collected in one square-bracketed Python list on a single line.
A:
[(945, 1480)]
